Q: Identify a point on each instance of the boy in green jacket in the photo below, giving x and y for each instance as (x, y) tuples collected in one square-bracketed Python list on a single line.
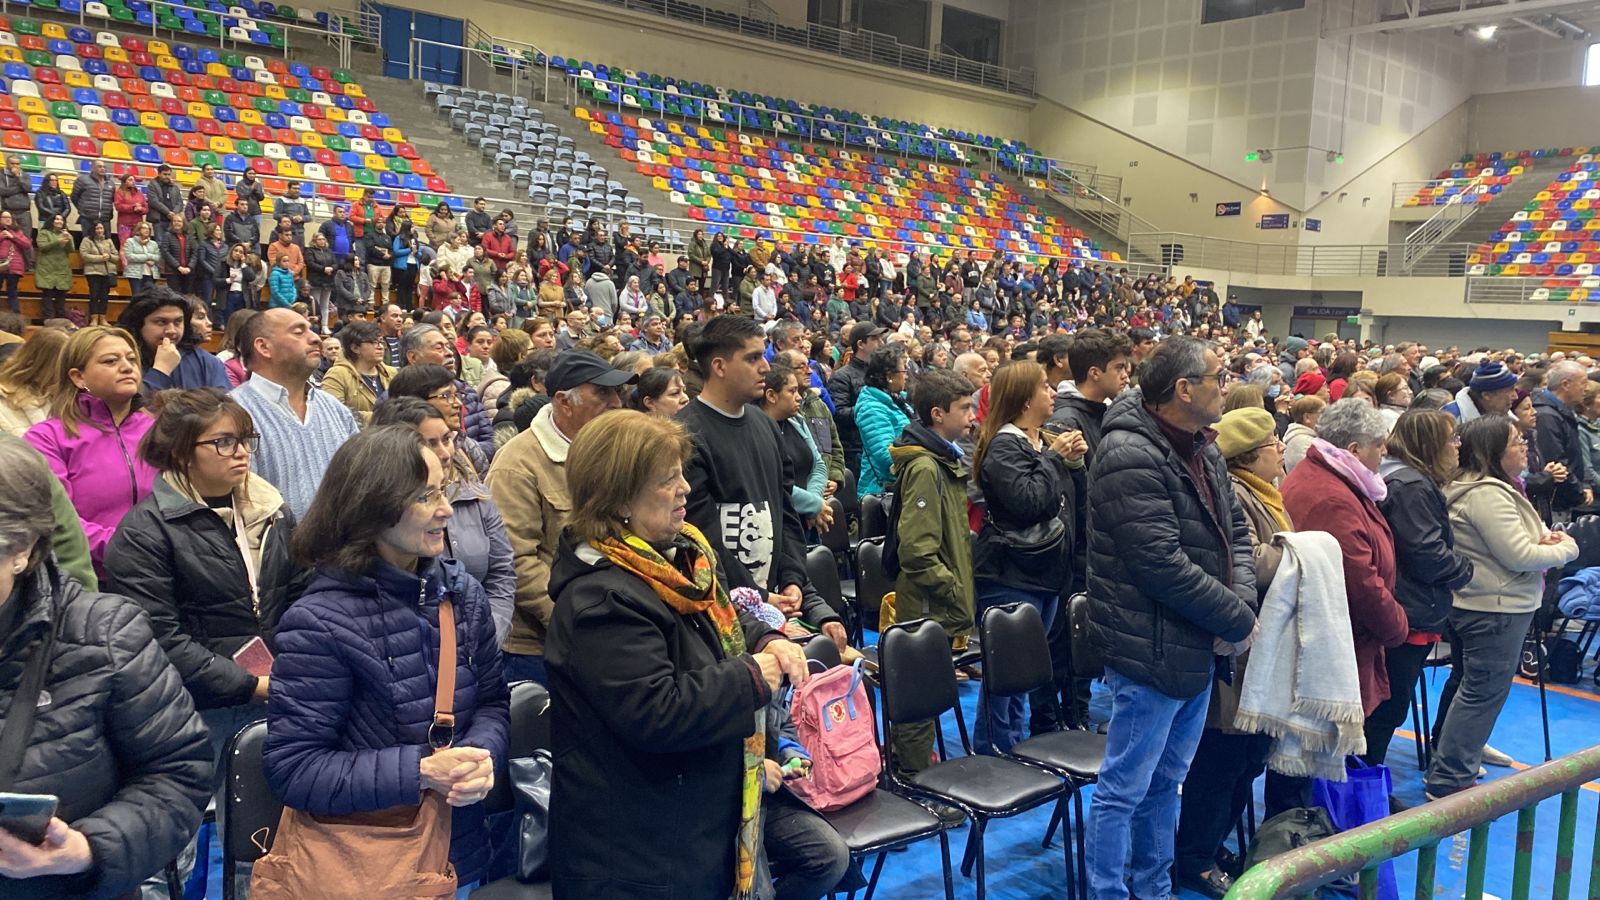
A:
[(935, 580)]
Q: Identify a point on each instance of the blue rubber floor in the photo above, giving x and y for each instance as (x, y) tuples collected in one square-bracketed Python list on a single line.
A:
[(1019, 868)]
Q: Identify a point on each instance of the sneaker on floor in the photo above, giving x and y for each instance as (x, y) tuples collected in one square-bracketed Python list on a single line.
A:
[(1397, 806), (949, 815), (1214, 883), (1493, 757)]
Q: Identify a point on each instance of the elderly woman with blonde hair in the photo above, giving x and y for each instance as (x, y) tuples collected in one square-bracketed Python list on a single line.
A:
[(656, 678)]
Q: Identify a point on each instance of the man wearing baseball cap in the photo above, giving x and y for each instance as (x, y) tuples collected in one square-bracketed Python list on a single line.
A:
[(528, 480), (862, 338)]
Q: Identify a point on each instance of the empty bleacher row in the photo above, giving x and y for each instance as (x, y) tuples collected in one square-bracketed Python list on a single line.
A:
[(750, 183), (539, 161), (1556, 236)]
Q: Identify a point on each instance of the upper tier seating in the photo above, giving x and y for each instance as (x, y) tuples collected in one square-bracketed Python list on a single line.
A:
[(1554, 237), (647, 94), (1497, 172), (538, 159), (69, 95), (755, 184), (243, 21)]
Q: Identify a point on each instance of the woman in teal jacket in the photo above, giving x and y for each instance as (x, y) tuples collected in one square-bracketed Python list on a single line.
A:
[(881, 415)]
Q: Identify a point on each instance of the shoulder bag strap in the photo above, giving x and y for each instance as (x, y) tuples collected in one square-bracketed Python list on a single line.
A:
[(24, 704), (443, 730)]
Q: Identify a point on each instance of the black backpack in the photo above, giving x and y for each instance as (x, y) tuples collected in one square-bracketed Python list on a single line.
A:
[(1563, 661), (891, 535)]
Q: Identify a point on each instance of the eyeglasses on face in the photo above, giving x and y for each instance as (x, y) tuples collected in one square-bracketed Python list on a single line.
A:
[(228, 445), (448, 395)]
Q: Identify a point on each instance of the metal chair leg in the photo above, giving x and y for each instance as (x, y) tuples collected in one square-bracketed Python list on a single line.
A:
[(1416, 727), (944, 859), (1064, 810), (872, 882), (1083, 853), (1050, 832), (983, 887), (974, 837)]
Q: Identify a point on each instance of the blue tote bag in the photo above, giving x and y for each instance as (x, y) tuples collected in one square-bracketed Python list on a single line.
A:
[(1362, 798)]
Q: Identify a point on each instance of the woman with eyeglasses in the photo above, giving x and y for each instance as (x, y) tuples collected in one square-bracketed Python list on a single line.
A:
[(1422, 459), (437, 385), (206, 553), (1498, 530), (351, 726), (359, 378), (476, 536), (1336, 489)]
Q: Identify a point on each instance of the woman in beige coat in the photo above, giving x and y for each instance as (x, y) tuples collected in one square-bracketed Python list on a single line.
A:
[(359, 379), (1497, 528)]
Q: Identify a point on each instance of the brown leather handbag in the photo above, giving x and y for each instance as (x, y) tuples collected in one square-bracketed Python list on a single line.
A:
[(402, 852)]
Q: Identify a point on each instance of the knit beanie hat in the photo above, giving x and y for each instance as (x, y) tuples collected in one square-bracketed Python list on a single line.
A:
[(1309, 383), (1296, 344), (1241, 430), (1492, 376)]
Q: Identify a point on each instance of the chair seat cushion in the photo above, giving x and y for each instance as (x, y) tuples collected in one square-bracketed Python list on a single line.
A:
[(880, 820), (512, 889), (988, 784), (1078, 752)]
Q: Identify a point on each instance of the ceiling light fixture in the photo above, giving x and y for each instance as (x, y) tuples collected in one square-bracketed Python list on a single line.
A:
[(1486, 32)]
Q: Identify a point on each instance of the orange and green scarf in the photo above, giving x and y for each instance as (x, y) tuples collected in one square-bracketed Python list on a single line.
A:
[(699, 592)]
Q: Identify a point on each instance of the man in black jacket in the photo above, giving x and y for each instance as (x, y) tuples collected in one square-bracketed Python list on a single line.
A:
[(1171, 588), (846, 385), (1559, 439)]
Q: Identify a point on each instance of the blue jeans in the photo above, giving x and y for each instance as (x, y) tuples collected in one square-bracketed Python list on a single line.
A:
[(1150, 742), (1002, 722), (524, 667)]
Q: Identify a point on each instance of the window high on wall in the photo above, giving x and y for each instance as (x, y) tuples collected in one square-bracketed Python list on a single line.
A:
[(1591, 66), (1227, 10)]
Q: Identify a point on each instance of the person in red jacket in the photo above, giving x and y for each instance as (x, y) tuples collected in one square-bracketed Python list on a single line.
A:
[(1336, 489), (366, 215), (131, 207), (499, 246)]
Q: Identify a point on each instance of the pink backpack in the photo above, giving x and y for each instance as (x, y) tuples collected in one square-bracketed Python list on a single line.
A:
[(834, 723)]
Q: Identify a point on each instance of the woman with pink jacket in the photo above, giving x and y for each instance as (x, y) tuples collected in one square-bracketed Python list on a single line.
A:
[(14, 249), (92, 437)]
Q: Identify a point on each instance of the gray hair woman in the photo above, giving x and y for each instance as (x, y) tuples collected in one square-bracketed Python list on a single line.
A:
[(128, 759), (1337, 488)]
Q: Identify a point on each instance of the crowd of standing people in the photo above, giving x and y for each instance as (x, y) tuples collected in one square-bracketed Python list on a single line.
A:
[(576, 464)]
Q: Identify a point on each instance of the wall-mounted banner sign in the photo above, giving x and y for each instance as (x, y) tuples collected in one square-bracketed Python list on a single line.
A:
[(1230, 209), (1275, 221), (1313, 224)]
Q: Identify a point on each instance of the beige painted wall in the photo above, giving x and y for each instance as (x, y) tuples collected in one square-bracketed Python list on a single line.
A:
[(604, 34), (1549, 117), (1161, 183)]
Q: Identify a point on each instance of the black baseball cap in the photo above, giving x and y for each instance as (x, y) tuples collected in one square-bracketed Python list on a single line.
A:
[(579, 367), (862, 331)]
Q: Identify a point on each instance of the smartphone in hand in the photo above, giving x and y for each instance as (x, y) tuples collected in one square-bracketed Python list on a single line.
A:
[(27, 815)]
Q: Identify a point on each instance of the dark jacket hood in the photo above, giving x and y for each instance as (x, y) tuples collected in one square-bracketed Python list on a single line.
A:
[(918, 439)]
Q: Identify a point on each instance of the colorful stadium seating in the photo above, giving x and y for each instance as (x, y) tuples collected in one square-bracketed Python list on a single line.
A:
[(644, 94), (749, 184), (140, 102), (1554, 237)]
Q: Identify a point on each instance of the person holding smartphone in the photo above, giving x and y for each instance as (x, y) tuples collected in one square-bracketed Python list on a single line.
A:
[(113, 773), (206, 554)]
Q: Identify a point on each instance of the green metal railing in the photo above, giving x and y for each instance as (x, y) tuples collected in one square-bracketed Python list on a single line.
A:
[(1361, 850)]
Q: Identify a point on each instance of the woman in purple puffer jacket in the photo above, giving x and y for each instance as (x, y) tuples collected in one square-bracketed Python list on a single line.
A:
[(93, 433)]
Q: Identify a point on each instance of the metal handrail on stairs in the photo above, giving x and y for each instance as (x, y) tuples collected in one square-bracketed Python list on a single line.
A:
[(1443, 223), (1362, 850), (1085, 195), (523, 62)]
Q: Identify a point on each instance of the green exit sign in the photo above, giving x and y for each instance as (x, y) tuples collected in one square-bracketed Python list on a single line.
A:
[(1352, 320)]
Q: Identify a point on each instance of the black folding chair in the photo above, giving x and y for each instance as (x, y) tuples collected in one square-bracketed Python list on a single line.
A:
[(874, 516), (881, 821), (251, 813), (823, 570), (919, 685), (1016, 660), (530, 732), (871, 582), (837, 537)]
